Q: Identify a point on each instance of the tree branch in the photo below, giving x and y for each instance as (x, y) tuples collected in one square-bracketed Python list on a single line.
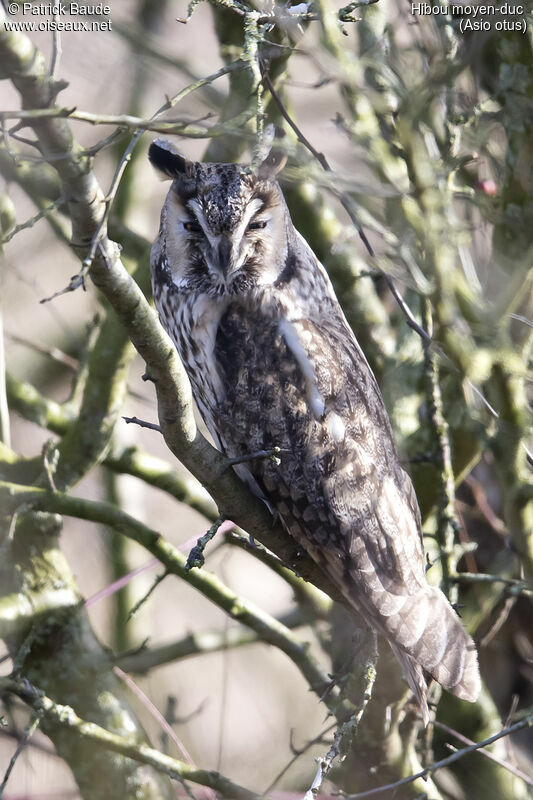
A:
[(244, 611), (66, 717), (24, 62), (523, 723), (201, 643)]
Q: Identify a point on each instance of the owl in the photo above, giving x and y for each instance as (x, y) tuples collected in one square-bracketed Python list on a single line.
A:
[(273, 363)]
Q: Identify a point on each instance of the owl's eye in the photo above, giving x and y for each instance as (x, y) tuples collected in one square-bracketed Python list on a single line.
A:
[(257, 225), (192, 227)]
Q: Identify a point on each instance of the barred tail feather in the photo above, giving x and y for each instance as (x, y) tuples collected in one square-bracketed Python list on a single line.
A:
[(414, 676), (443, 649), (457, 670)]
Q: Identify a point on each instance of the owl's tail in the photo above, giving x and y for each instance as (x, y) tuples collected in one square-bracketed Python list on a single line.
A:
[(414, 676), (436, 642)]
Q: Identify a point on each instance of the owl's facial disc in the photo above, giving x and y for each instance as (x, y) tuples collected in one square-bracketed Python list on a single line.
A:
[(229, 246), (225, 226)]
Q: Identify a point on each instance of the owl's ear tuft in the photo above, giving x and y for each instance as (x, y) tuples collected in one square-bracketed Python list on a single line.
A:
[(273, 163), (166, 160)]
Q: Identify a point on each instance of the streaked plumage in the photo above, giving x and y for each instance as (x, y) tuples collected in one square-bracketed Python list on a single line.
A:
[(273, 362)]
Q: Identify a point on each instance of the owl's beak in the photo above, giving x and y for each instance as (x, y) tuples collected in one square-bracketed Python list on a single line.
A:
[(224, 255)]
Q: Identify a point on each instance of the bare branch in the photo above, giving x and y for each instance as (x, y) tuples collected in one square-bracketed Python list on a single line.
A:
[(202, 642), (345, 733), (66, 717), (87, 205), (517, 726), (505, 764), (175, 562), (347, 205)]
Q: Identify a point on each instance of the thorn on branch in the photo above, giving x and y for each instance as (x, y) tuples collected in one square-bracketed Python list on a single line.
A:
[(457, 608), (134, 651)]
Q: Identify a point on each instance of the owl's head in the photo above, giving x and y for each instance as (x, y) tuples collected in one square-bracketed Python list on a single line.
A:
[(222, 225)]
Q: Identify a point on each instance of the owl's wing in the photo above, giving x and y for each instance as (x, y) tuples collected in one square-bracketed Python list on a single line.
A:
[(375, 552), (366, 493)]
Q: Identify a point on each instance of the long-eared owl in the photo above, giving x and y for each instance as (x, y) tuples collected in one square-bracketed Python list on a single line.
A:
[(273, 362)]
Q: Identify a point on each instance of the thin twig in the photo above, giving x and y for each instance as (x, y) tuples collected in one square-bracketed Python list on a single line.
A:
[(501, 619), (318, 739), (523, 319), (31, 222), (517, 585), (158, 716), (119, 584), (139, 604), (447, 524), (347, 205), (480, 496), (110, 196), (142, 423), (56, 50), (523, 723), (53, 352), (144, 659), (411, 321), (486, 753), (28, 731), (122, 121)]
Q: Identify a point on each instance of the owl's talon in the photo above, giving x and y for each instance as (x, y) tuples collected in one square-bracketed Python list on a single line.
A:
[(271, 454), (337, 679)]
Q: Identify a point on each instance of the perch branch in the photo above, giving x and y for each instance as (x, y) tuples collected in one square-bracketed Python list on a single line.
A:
[(26, 67), (269, 629)]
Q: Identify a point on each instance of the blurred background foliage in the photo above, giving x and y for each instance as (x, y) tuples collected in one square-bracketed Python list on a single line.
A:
[(410, 173)]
